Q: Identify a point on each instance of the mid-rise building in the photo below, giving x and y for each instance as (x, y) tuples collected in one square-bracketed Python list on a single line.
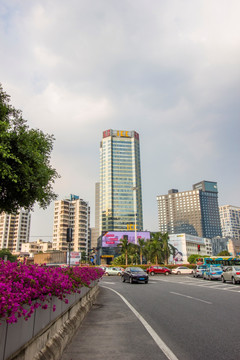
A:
[(219, 244), (120, 182), (193, 212), (35, 247), (95, 232), (71, 213), (230, 221), (14, 230), (187, 245)]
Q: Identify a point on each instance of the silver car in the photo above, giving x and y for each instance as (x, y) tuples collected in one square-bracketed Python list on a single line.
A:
[(231, 273), (198, 272), (113, 271)]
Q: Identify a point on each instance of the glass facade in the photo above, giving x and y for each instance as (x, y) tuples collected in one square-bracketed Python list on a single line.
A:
[(120, 182), (193, 212)]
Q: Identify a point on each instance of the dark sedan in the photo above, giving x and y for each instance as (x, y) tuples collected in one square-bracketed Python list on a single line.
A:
[(134, 274)]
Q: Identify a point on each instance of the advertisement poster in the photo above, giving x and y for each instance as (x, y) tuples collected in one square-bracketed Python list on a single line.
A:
[(180, 256), (112, 238), (75, 257)]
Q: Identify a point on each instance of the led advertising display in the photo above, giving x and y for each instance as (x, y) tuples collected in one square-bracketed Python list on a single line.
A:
[(112, 238)]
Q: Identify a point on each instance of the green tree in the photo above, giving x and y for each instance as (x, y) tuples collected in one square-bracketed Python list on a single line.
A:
[(167, 249), (141, 243), (224, 253), (26, 175), (5, 253), (120, 260), (192, 258), (125, 248), (156, 248)]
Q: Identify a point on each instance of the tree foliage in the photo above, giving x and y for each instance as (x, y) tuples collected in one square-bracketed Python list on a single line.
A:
[(6, 254), (224, 253), (26, 175)]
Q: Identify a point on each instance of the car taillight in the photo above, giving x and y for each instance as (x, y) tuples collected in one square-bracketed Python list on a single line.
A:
[(213, 273), (238, 273)]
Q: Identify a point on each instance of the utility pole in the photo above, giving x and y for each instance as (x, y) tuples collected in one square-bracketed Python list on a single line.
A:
[(69, 240), (135, 211)]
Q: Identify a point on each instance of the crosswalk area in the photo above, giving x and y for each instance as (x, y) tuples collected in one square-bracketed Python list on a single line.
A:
[(189, 281)]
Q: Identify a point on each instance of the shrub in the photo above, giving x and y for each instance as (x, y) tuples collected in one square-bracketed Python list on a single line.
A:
[(35, 285)]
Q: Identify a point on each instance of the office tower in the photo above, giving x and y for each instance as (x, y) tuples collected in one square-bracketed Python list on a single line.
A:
[(95, 232), (14, 230), (74, 213), (230, 221), (120, 182), (193, 212)]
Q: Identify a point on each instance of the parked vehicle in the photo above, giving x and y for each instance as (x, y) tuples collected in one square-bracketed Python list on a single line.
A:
[(198, 272), (113, 271), (152, 270), (134, 274), (213, 273), (231, 273), (182, 270)]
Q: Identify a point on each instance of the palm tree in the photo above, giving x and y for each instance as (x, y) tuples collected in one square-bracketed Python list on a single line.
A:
[(141, 243), (156, 248), (167, 248), (125, 248)]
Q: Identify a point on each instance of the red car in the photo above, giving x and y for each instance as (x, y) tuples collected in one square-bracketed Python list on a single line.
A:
[(152, 270)]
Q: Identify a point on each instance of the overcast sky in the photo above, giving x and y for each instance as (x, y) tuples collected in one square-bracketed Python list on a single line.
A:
[(169, 69)]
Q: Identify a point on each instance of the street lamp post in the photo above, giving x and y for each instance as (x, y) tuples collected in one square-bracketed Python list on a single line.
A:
[(135, 213)]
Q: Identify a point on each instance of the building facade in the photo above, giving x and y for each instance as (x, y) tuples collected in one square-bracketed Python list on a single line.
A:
[(108, 244), (95, 232), (193, 212), (35, 247), (14, 230), (74, 213), (230, 221), (187, 245), (120, 182)]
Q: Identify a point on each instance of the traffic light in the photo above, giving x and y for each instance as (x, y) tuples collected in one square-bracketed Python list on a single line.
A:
[(69, 234), (198, 247)]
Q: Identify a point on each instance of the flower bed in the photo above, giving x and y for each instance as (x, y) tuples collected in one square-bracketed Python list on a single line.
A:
[(24, 288)]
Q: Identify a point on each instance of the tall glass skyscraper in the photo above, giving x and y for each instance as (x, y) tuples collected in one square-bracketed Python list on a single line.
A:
[(120, 182)]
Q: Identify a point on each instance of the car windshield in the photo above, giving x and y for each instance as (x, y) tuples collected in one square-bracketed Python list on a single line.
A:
[(236, 268), (136, 269), (216, 269)]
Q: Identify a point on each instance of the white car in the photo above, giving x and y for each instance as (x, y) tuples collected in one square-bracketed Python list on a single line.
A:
[(182, 270), (113, 271)]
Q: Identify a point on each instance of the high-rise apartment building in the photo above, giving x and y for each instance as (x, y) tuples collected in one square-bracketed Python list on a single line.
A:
[(95, 232), (193, 212), (120, 182), (14, 230), (230, 221), (75, 213)]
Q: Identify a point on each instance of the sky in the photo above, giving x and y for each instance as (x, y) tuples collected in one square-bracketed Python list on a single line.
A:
[(168, 69)]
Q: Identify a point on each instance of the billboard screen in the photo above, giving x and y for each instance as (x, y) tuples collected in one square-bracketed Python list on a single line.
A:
[(112, 238)]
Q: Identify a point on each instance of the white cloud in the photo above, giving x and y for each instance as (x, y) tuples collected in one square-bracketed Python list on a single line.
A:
[(169, 70)]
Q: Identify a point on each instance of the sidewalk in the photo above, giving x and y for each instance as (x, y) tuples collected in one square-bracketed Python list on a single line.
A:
[(110, 331)]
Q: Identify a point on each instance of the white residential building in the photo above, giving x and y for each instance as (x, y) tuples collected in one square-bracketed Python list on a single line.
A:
[(14, 230), (71, 213), (230, 221)]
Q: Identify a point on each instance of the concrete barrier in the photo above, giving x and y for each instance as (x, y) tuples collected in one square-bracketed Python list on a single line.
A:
[(45, 335)]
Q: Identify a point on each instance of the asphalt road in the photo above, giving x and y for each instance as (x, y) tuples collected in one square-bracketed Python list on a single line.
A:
[(174, 317)]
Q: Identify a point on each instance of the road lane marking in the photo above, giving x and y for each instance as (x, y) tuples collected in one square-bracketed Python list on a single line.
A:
[(161, 344), (190, 297), (108, 282)]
